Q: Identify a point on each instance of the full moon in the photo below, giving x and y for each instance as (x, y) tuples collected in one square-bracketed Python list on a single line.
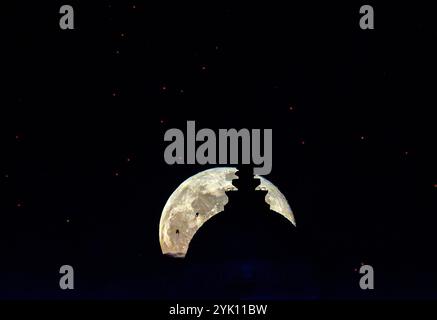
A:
[(199, 198)]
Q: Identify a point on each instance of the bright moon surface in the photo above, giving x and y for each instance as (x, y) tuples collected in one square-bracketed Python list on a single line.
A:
[(199, 198)]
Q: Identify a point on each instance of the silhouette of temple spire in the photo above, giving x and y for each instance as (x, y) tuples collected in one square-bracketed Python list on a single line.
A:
[(246, 181), (246, 229), (246, 199)]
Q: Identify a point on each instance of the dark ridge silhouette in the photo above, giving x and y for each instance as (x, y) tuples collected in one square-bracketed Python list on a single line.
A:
[(247, 229)]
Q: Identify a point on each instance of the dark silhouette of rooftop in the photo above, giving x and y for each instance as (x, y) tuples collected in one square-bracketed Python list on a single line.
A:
[(246, 229)]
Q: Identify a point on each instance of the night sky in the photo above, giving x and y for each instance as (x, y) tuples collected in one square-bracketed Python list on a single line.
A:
[(83, 179)]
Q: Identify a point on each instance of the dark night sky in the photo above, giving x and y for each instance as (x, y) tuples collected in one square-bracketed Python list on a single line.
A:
[(82, 175)]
